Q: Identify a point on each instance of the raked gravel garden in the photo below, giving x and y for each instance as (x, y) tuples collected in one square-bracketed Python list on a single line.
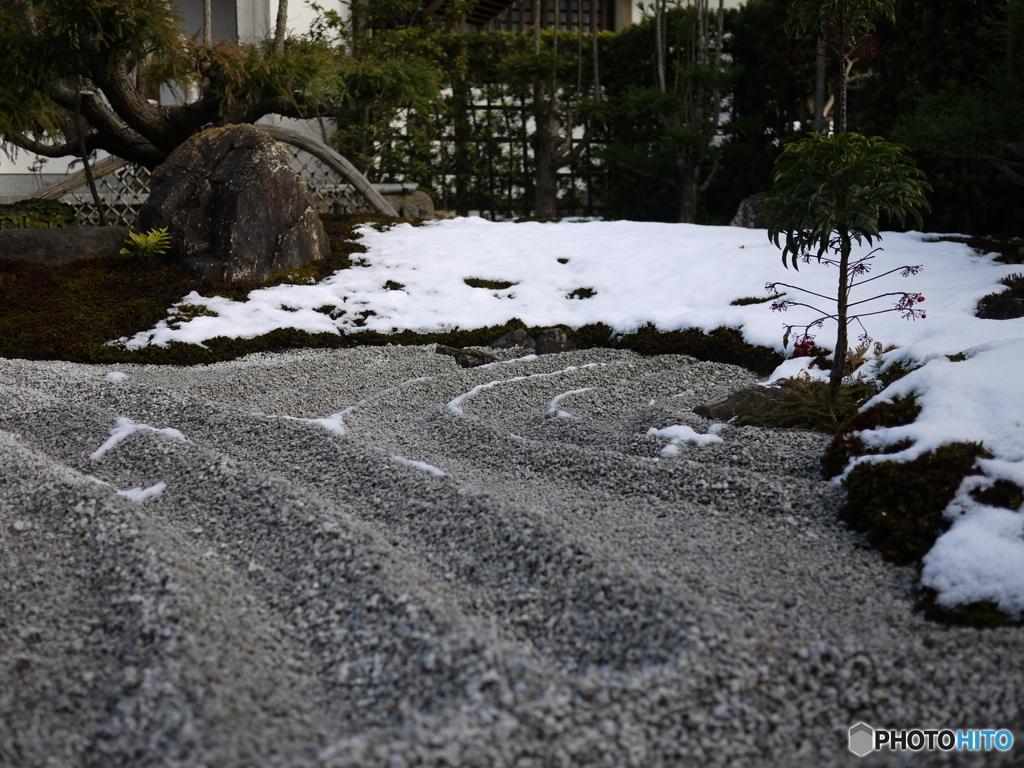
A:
[(373, 557)]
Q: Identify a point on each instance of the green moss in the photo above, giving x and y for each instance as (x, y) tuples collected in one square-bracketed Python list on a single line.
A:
[(1009, 250), (493, 285), (899, 505), (722, 345), (1014, 290), (1002, 493), (582, 293), (49, 313), (391, 285), (806, 404), (476, 337), (959, 357), (847, 444), (983, 614), (746, 301), (896, 371), (218, 349), (37, 214), (69, 312)]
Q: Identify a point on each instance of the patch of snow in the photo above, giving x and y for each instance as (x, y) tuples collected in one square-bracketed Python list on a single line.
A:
[(142, 494), (421, 465), (555, 410), (680, 433), (124, 427)]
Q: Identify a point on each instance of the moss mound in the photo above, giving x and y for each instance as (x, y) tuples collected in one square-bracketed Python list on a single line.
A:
[(983, 614), (847, 443), (1010, 250), (1014, 290), (899, 505), (49, 313), (722, 345), (806, 404), (1002, 493)]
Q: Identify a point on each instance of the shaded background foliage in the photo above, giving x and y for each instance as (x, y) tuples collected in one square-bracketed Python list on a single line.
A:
[(931, 47), (472, 149)]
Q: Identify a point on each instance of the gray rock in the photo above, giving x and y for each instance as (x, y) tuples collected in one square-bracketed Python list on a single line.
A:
[(516, 338), (553, 341), (467, 358), (235, 208), (414, 205), (750, 213), (746, 399), (1003, 309), (56, 247)]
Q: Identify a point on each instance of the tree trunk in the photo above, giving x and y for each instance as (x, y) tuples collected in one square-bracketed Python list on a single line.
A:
[(819, 89), (688, 193), (841, 82), (545, 151), (659, 43), (80, 128), (208, 22), (843, 298), (281, 28), (462, 136)]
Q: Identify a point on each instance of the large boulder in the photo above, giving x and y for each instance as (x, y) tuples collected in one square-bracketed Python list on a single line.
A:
[(56, 247), (235, 208)]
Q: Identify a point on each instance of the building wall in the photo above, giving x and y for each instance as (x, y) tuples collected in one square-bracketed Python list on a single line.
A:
[(574, 14)]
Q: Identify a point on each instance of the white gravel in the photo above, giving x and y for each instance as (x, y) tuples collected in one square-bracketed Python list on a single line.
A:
[(450, 573)]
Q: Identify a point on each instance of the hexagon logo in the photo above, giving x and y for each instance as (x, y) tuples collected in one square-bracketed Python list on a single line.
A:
[(862, 739)]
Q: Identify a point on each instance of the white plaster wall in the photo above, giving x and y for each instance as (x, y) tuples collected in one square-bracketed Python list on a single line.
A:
[(300, 15)]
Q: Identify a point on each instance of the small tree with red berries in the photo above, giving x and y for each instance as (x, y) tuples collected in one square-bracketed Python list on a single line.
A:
[(829, 192)]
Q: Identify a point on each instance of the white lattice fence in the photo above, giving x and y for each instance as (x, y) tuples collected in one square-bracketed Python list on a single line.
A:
[(122, 190)]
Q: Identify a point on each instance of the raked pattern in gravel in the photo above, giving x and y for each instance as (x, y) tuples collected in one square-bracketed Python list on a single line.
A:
[(371, 557)]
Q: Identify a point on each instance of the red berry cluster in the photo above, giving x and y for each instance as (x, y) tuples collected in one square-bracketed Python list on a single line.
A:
[(803, 349)]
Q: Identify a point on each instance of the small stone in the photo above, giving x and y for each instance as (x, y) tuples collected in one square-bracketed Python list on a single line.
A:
[(468, 357), (553, 341), (515, 338)]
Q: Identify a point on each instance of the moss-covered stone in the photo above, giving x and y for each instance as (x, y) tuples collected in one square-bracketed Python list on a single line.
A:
[(899, 505)]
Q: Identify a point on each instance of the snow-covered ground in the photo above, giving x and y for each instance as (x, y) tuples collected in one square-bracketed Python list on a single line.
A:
[(680, 276)]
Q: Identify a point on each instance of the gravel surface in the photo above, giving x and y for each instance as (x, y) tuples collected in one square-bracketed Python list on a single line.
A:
[(372, 557)]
